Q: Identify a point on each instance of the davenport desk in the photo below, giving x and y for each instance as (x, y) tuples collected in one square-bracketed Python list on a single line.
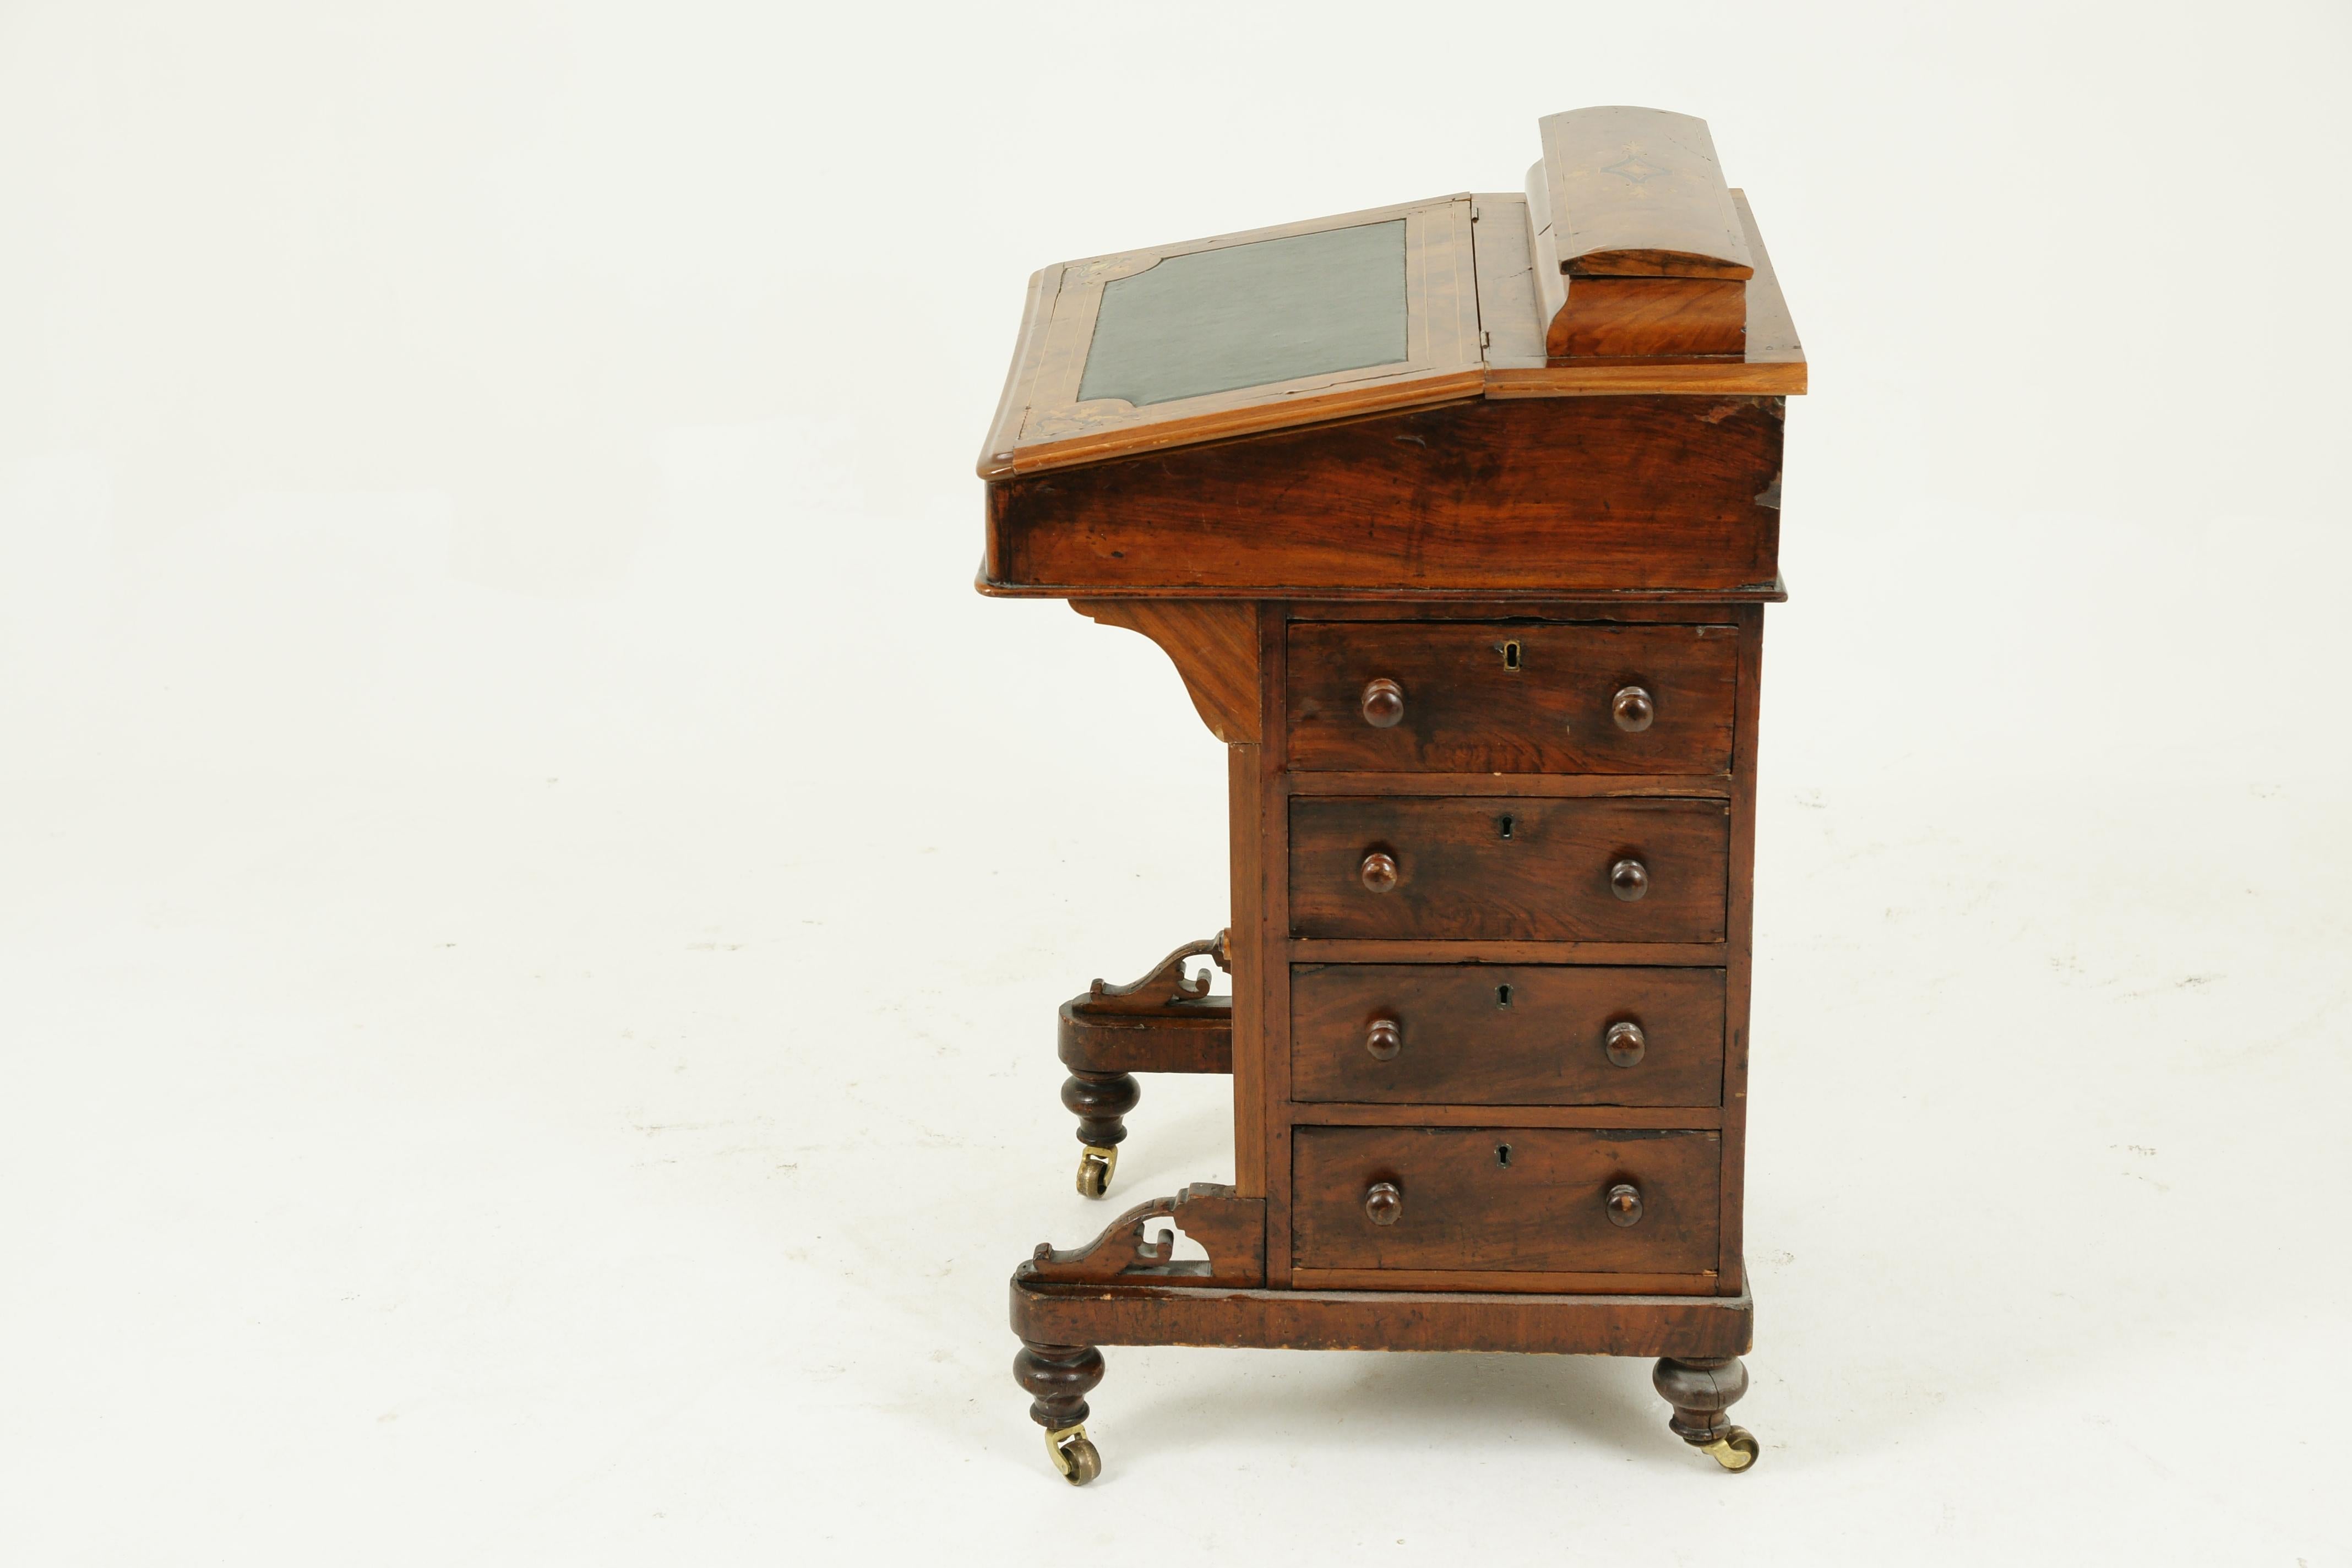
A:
[(1457, 519)]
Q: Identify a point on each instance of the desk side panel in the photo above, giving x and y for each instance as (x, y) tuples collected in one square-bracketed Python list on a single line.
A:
[(1547, 495)]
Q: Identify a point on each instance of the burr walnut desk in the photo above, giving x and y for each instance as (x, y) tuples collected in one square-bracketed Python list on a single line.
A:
[(1457, 519)]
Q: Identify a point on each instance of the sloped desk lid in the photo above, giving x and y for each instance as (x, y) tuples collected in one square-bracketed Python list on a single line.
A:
[(1393, 308)]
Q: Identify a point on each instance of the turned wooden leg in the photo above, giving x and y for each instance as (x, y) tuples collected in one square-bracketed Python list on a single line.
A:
[(1701, 1390), (1057, 1378), (1099, 1101)]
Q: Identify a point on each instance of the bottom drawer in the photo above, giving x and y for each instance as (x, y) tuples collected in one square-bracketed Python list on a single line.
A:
[(1501, 1199)]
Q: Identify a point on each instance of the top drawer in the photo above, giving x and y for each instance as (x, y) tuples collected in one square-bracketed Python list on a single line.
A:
[(1512, 697)]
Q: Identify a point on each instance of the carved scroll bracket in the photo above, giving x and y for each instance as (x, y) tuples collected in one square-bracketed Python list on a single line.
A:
[(1230, 1229), (1167, 985), (1213, 643)]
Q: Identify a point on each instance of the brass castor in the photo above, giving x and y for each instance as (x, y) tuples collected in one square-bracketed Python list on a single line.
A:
[(1095, 1167), (1701, 1388), (1100, 1101), (1056, 1378), (1074, 1456), (1735, 1450)]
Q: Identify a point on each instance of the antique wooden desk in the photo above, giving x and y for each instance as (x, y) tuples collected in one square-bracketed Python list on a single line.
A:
[(1457, 519)]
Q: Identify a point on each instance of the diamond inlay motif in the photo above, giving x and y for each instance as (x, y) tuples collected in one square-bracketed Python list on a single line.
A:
[(1636, 168)]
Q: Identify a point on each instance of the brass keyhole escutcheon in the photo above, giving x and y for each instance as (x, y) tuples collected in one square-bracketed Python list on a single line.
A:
[(1511, 654)]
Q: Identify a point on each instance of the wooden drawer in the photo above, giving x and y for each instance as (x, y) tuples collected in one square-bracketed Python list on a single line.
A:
[(1464, 1034), (1502, 1199), (1505, 869), (1504, 697)]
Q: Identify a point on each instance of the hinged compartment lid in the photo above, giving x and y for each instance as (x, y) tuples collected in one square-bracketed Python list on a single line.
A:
[(1636, 193), (1638, 250)]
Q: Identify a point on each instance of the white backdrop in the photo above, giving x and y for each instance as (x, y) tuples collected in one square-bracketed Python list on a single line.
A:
[(534, 892)]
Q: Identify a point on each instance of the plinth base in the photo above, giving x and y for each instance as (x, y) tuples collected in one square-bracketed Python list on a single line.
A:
[(1697, 1341)]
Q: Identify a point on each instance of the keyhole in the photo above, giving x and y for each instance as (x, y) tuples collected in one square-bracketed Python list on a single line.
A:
[(1502, 995), (1506, 827), (1503, 1156), (1511, 655)]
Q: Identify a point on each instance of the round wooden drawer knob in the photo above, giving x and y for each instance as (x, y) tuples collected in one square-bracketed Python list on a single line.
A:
[(1633, 708), (1380, 872), (1629, 879), (1624, 1203), (1384, 1040), (1383, 1201), (1625, 1042), (1383, 704)]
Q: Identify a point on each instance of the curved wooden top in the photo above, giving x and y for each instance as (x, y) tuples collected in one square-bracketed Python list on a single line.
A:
[(1636, 193)]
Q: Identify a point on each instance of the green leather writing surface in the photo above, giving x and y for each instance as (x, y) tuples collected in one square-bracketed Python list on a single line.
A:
[(1251, 314)]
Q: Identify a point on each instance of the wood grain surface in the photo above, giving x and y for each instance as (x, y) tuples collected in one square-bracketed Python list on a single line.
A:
[(1196, 1038), (1563, 1281), (1164, 1314), (1469, 1205), (1499, 697), (1507, 868), (1640, 1117), (1771, 359), (1489, 1035), (1545, 495), (1650, 318), (1629, 192)]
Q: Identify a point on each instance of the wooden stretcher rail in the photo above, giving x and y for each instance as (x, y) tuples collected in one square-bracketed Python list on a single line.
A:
[(1679, 1326), (1197, 1039)]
